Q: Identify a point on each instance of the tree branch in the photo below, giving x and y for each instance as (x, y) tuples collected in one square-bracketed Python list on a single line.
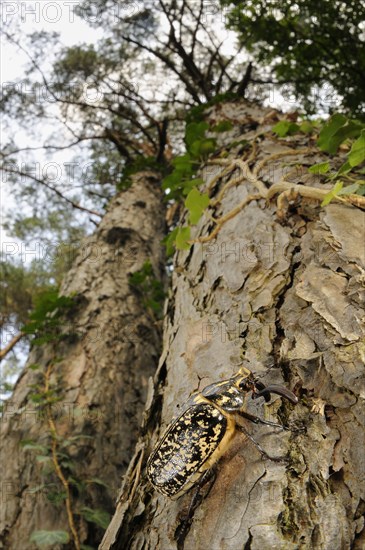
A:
[(245, 81), (51, 188), (11, 345)]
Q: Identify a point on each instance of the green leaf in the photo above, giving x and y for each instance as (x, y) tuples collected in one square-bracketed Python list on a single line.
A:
[(337, 130), (37, 488), (195, 131), (34, 366), (325, 140), (97, 481), (172, 180), (183, 162), (99, 517), (321, 168), (350, 130), (182, 238), (306, 127), (284, 128), (207, 147), (56, 497), (346, 167), (169, 242), (189, 185), (196, 203), (333, 193), (70, 440), (349, 189), (87, 547), (223, 126), (202, 148), (47, 538), (357, 153), (29, 445)]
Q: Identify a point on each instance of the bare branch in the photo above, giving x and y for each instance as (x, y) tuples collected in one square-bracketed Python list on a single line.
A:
[(163, 139), (245, 80), (170, 64), (4, 352), (197, 26), (74, 204)]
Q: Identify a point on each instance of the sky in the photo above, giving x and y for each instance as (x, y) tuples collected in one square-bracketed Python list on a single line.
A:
[(33, 16)]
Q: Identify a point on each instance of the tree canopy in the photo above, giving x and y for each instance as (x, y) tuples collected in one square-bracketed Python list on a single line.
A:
[(315, 46)]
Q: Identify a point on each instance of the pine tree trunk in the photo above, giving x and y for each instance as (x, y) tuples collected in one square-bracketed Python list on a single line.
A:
[(279, 288), (100, 374)]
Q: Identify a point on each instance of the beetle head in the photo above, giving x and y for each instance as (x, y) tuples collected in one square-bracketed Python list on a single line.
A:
[(246, 381)]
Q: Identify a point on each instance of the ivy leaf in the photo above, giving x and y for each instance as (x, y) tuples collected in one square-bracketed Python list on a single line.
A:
[(320, 168), (47, 538), (56, 498), (182, 238), (351, 130), (202, 148), (183, 162), (207, 146), (337, 130), (325, 140), (285, 127), (333, 193), (97, 481), (37, 488), (172, 180), (196, 203), (349, 189), (169, 242), (223, 126), (306, 127), (29, 445), (99, 517), (361, 190), (195, 131), (189, 185), (357, 153), (346, 167), (34, 366)]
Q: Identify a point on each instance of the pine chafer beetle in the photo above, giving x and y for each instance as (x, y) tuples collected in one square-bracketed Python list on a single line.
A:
[(199, 436)]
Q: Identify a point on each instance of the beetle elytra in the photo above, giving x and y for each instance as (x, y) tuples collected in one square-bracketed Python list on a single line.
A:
[(199, 436)]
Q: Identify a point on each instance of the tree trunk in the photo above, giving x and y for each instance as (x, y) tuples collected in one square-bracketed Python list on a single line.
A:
[(279, 288), (99, 374)]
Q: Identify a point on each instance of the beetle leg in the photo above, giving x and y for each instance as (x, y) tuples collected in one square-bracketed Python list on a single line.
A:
[(259, 448), (258, 420), (209, 475), (186, 520)]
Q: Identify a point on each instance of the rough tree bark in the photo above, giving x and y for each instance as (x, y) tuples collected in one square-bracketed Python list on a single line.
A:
[(281, 288), (100, 373)]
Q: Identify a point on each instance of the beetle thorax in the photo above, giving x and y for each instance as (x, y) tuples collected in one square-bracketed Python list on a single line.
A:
[(225, 395)]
